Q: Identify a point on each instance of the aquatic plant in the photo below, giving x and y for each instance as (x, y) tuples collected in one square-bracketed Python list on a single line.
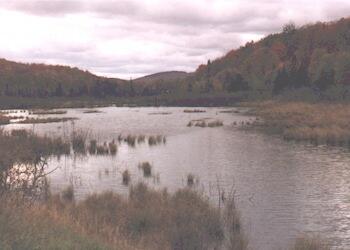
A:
[(113, 148), (92, 147), (216, 123), (190, 180), (146, 167), (78, 139), (130, 140), (141, 138), (126, 177)]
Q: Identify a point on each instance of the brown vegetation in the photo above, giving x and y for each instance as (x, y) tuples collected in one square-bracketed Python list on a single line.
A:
[(146, 167), (48, 112), (202, 123), (322, 123)]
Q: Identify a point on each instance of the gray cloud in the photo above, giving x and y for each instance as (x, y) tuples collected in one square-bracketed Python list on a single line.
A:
[(130, 37)]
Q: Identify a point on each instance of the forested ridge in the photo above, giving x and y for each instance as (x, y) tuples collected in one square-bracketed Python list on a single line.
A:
[(312, 59)]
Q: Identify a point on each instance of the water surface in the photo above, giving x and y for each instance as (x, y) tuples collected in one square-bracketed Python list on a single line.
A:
[(282, 188)]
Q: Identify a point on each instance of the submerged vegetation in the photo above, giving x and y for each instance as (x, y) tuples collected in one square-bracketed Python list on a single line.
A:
[(92, 111), (194, 111), (31, 120)]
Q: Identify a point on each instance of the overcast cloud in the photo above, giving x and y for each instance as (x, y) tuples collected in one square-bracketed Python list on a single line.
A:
[(131, 38)]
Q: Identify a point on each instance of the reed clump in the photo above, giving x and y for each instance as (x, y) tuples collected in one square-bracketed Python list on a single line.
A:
[(92, 147), (130, 140), (216, 123), (146, 168), (126, 177), (78, 139), (113, 148), (141, 138), (156, 139), (203, 123), (102, 149), (190, 180)]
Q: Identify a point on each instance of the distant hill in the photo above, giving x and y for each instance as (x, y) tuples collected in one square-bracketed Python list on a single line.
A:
[(312, 61), (163, 82), (162, 76), (40, 80)]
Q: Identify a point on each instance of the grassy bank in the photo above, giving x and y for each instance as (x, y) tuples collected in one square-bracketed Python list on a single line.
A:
[(147, 219), (318, 123)]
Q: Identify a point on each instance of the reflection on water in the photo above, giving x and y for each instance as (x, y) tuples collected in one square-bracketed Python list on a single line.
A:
[(282, 188)]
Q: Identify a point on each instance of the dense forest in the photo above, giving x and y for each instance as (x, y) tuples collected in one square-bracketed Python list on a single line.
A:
[(312, 61)]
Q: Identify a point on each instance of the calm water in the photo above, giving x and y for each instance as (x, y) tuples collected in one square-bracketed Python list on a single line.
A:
[(282, 188)]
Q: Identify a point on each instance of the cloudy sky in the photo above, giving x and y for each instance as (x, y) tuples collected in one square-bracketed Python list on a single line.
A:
[(131, 38)]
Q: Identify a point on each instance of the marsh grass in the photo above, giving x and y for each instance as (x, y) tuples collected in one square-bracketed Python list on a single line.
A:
[(92, 147), (78, 139), (130, 140), (146, 219), (28, 226), (203, 123), (190, 180), (146, 168), (317, 123), (102, 149), (216, 123), (113, 148), (68, 194), (141, 138), (156, 139)]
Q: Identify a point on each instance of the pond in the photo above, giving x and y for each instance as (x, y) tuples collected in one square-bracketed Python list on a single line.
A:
[(282, 188)]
